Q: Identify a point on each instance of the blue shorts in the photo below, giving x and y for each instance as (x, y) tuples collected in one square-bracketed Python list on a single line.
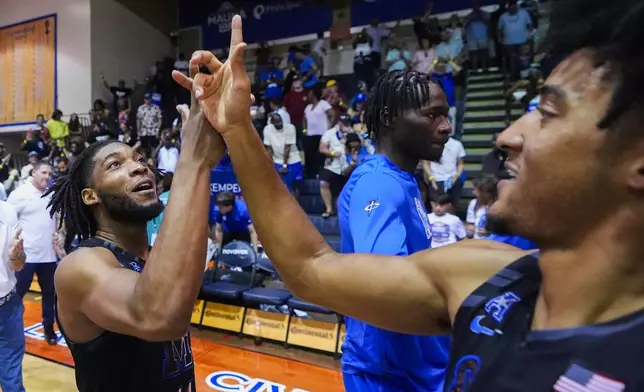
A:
[(294, 174)]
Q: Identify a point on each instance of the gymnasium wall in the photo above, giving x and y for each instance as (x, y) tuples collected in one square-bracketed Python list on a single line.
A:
[(124, 46), (64, 82)]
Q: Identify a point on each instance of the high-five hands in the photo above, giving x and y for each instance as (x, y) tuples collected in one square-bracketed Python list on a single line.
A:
[(225, 94), (17, 251), (198, 138)]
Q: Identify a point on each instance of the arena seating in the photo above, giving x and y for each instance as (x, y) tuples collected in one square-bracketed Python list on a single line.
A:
[(311, 202)]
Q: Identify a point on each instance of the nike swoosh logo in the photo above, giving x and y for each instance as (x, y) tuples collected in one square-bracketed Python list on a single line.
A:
[(477, 328)]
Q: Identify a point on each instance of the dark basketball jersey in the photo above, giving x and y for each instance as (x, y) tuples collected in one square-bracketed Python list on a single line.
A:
[(114, 362), (494, 349)]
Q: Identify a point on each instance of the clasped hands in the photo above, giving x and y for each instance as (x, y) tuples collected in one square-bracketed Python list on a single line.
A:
[(223, 96)]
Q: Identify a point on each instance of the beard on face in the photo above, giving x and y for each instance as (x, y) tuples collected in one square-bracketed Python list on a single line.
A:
[(121, 208)]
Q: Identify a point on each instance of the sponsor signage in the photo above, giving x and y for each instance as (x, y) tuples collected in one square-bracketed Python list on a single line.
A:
[(197, 310), (319, 335), (37, 332), (228, 381), (220, 316), (267, 325)]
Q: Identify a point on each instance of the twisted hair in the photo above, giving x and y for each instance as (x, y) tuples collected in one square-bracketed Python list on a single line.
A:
[(393, 93), (75, 215)]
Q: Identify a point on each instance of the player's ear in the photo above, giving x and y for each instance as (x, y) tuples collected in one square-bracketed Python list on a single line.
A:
[(89, 197)]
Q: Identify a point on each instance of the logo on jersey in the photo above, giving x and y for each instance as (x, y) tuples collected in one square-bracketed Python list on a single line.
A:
[(579, 379), (465, 372), (371, 206), (498, 308), (423, 217)]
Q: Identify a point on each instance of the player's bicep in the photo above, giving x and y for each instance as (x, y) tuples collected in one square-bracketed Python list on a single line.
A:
[(106, 295)]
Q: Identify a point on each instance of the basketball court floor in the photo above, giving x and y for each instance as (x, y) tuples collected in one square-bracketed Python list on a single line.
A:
[(222, 363)]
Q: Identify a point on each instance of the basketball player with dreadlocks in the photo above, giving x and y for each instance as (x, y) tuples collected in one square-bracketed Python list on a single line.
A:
[(123, 308), (570, 318)]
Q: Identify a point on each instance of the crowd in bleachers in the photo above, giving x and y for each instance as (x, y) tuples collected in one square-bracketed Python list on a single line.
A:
[(313, 124)]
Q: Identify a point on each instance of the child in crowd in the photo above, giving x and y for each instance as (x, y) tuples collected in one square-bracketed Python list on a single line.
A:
[(486, 193), (445, 228)]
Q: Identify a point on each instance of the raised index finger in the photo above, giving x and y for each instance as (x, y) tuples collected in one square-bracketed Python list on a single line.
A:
[(236, 34)]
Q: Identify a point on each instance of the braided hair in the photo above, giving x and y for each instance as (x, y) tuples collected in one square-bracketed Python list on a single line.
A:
[(76, 216), (393, 93)]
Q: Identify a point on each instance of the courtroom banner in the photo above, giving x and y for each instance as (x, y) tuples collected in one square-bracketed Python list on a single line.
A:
[(27, 70)]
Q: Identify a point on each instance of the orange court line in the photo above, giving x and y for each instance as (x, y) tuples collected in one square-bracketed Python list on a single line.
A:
[(210, 358)]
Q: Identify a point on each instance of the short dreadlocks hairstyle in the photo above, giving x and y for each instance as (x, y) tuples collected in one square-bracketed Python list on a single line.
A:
[(66, 200), (393, 93), (613, 31)]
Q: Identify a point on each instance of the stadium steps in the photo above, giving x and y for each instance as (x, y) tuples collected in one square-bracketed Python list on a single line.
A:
[(311, 202), (486, 114)]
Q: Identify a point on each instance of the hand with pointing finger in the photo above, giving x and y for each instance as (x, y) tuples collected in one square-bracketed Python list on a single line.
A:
[(225, 94)]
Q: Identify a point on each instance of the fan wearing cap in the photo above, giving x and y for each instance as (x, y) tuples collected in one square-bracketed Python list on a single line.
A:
[(332, 146), (336, 99), (231, 221)]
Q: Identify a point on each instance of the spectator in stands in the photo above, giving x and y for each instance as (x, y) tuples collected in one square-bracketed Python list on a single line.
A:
[(34, 141), (262, 59), (336, 99), (25, 172), (445, 70), (514, 29), (62, 165), (295, 102), (156, 97), (477, 36), (231, 221), (76, 131), (308, 71), (421, 26), (445, 175), (424, 56), (364, 67), (155, 224), (357, 151), (398, 57), (148, 118), (276, 106), (494, 161), (332, 146), (74, 151), (167, 154), (58, 129), (445, 228), (357, 110), (281, 142), (119, 92), (319, 52), (272, 73), (456, 35), (318, 117), (377, 33), (486, 193), (37, 230), (41, 128), (100, 115), (5, 160)]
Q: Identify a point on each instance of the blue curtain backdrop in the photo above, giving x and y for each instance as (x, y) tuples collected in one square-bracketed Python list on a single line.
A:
[(275, 19)]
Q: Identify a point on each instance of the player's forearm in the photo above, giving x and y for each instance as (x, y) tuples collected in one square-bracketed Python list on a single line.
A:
[(276, 227), (172, 277)]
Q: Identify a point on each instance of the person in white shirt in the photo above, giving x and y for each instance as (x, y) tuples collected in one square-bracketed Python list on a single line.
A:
[(485, 192), (318, 117), (445, 175), (167, 154), (424, 56), (25, 172), (445, 228), (333, 146), (280, 140), (277, 107), (12, 335), (38, 229), (377, 33)]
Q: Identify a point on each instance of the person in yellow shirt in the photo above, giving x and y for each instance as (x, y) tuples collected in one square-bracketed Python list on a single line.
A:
[(58, 129)]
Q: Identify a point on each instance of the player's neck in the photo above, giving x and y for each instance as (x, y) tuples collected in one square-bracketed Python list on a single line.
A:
[(597, 281), (133, 238), (404, 162)]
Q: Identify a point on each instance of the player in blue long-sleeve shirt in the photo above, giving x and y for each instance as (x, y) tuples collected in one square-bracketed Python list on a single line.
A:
[(381, 212)]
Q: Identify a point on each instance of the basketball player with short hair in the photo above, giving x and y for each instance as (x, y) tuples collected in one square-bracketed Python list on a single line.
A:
[(568, 319), (124, 308)]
